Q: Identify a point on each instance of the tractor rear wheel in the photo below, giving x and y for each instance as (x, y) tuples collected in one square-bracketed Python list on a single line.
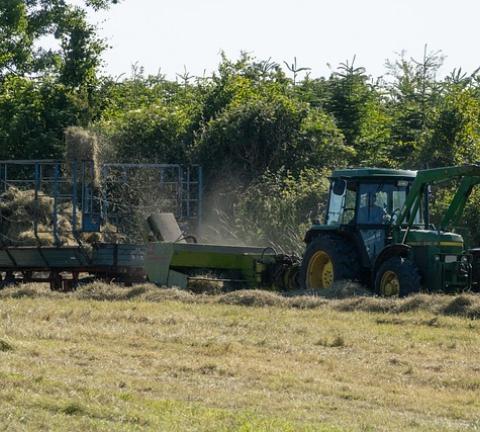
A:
[(397, 277), (328, 259)]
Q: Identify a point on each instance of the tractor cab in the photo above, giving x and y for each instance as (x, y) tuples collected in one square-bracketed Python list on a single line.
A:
[(367, 202), (367, 199), (377, 230)]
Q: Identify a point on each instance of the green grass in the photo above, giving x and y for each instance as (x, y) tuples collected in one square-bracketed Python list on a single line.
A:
[(166, 360)]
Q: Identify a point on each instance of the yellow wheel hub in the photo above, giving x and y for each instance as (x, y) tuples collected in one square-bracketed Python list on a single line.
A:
[(320, 271), (390, 284)]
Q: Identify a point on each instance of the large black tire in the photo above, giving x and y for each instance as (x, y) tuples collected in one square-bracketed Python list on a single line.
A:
[(397, 277), (343, 257)]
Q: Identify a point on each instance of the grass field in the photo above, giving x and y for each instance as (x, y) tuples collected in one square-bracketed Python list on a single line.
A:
[(150, 359)]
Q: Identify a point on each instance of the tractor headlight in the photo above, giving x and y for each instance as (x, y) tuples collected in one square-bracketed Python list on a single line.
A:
[(451, 259)]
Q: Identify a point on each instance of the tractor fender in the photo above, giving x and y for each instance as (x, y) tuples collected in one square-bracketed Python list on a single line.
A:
[(313, 233), (390, 251)]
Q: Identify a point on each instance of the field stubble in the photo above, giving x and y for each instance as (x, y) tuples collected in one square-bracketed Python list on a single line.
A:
[(110, 358)]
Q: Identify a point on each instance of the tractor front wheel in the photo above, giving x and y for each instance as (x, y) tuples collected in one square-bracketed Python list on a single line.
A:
[(397, 277), (328, 259)]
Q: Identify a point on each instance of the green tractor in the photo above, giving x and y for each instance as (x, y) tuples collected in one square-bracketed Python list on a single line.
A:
[(377, 231)]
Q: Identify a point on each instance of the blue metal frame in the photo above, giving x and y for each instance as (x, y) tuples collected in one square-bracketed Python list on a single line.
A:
[(50, 178), (77, 187), (187, 181)]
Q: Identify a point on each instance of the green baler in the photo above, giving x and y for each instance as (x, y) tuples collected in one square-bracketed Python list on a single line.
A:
[(174, 264)]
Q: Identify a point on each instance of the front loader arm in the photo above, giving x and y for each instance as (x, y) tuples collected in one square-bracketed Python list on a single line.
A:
[(435, 176), (459, 201)]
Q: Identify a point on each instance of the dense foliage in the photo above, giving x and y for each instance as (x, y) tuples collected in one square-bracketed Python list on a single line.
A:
[(265, 137)]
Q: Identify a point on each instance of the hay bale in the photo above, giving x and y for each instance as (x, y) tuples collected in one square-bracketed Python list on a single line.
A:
[(82, 145), (45, 238), (205, 284), (18, 210), (110, 234), (19, 206)]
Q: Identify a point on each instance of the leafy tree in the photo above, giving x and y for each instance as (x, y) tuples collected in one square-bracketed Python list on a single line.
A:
[(358, 107), (295, 69), (348, 95), (322, 143), (43, 91), (314, 91), (24, 22), (251, 136), (33, 118), (153, 134), (456, 132), (278, 207), (235, 78), (373, 143), (414, 95)]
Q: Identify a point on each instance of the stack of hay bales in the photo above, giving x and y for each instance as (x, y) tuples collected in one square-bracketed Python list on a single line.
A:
[(19, 210)]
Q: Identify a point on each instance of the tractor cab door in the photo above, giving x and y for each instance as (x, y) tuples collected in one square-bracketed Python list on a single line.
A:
[(371, 217), (377, 203), (378, 206), (342, 202)]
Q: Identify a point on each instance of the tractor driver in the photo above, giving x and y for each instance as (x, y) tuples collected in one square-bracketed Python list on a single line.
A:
[(369, 212)]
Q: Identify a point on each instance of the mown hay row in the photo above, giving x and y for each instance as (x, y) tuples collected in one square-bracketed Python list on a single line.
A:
[(463, 305)]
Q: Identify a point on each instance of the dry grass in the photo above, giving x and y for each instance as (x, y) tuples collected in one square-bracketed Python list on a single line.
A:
[(142, 358)]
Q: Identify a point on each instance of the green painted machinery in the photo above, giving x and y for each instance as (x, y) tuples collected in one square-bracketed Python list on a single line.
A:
[(175, 264), (171, 261), (378, 231)]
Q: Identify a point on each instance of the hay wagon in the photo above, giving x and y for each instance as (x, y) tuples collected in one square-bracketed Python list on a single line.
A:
[(65, 267), (65, 222)]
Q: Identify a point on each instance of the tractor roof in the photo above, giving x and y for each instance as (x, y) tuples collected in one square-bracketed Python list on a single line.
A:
[(374, 172)]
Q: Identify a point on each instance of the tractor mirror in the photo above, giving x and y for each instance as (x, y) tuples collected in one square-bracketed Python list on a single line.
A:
[(339, 186)]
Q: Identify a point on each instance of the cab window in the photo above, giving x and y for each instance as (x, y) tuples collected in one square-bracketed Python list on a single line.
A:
[(373, 204), (341, 206), (380, 203)]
